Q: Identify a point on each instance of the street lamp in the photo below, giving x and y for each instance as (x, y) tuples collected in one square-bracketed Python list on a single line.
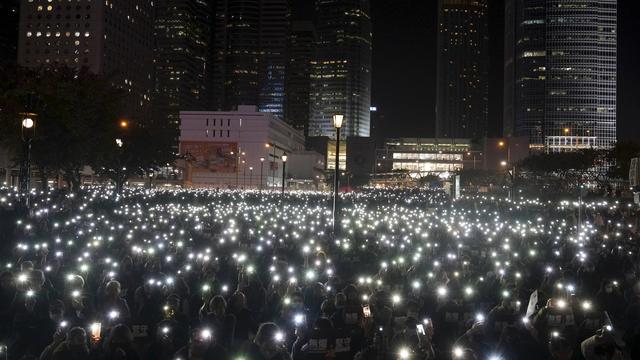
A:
[(284, 174), (337, 123), (244, 173), (273, 170), (261, 168), (250, 176), (28, 125)]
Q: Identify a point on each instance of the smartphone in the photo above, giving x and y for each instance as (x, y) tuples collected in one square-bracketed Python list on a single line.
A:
[(367, 311), (420, 329), (96, 329)]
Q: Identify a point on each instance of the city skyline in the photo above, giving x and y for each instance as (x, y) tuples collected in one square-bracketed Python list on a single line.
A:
[(408, 28)]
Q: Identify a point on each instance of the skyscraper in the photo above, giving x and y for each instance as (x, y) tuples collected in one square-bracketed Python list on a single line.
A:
[(525, 69), (341, 68), (580, 106), (9, 17), (298, 76), (274, 29), (562, 85), (182, 32), (463, 68), (249, 54), (114, 39)]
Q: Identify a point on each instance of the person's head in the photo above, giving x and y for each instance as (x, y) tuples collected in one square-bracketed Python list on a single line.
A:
[(120, 336), (26, 266), (6, 280), (218, 306), (77, 341), (340, 300), (54, 265), (74, 282), (36, 279), (238, 301), (112, 289), (327, 308), (297, 300), (560, 348), (200, 341), (268, 339), (56, 310), (351, 293)]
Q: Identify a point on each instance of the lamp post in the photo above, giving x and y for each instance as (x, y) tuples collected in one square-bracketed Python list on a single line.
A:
[(244, 173), (261, 168), (28, 127), (120, 168), (337, 123), (273, 170), (250, 176), (284, 173)]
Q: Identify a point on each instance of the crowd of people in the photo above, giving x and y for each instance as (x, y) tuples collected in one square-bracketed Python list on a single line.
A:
[(252, 275)]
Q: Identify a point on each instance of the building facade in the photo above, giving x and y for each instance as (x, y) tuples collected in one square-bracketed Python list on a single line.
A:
[(341, 68), (298, 76), (561, 90), (274, 30), (525, 69), (114, 39), (462, 104), (419, 157), (249, 54), (235, 149), (182, 33)]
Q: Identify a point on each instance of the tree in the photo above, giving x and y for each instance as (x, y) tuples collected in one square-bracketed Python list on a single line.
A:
[(77, 124), (620, 158), (134, 150), (568, 168)]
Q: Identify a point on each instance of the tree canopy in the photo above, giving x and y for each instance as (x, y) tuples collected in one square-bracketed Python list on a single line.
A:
[(78, 115)]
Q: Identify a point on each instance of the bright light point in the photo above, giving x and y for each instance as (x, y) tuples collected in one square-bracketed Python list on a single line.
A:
[(404, 354)]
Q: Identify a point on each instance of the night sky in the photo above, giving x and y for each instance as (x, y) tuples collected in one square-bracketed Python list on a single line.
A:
[(404, 66)]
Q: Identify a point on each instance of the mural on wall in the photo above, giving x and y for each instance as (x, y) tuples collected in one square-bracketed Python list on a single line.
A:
[(211, 157)]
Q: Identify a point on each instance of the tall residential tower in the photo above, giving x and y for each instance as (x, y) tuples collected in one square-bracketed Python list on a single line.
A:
[(341, 68), (462, 105)]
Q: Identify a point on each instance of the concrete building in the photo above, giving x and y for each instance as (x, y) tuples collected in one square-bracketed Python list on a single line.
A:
[(111, 38), (462, 105), (561, 73), (341, 68), (235, 149)]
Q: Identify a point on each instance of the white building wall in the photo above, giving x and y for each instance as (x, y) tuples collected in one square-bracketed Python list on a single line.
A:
[(245, 132)]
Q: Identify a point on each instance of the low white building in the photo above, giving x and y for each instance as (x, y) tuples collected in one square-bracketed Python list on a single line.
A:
[(235, 149)]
